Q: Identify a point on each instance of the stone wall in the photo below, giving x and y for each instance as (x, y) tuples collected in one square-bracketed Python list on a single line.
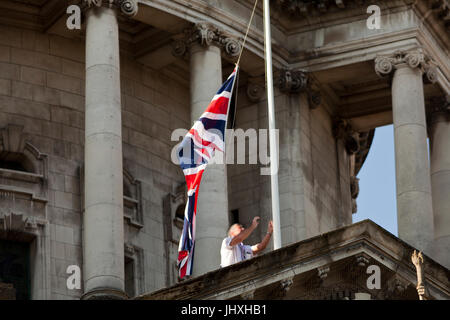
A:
[(42, 89)]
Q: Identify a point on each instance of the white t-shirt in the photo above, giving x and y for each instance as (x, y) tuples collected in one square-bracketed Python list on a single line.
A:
[(233, 254)]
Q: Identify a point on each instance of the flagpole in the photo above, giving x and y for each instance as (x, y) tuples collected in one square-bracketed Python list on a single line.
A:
[(272, 134)]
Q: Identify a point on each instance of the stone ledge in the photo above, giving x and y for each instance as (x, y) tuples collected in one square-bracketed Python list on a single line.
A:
[(365, 236)]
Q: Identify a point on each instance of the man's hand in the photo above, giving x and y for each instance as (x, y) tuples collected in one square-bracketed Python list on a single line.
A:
[(270, 227), (263, 244), (255, 222)]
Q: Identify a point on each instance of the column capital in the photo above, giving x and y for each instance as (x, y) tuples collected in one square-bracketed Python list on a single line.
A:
[(385, 65), (206, 34), (297, 81), (127, 7)]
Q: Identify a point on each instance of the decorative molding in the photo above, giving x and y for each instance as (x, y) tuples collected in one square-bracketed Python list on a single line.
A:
[(127, 7), (255, 90), (292, 81), (362, 260), (314, 98), (322, 272), (280, 291), (286, 285), (205, 34), (297, 81), (24, 188), (396, 286), (385, 65), (17, 222), (129, 250)]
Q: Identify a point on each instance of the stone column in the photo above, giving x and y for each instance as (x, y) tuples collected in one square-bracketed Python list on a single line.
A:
[(204, 44), (414, 202), (103, 239), (440, 179)]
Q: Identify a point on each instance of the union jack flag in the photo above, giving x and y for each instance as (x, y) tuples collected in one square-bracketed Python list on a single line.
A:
[(197, 148)]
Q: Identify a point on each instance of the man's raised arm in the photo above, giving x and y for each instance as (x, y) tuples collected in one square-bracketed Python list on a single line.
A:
[(245, 233), (263, 244)]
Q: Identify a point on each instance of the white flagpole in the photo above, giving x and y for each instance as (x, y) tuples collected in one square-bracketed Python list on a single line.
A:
[(272, 134)]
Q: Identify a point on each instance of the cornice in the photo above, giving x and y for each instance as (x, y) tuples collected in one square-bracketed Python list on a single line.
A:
[(196, 11)]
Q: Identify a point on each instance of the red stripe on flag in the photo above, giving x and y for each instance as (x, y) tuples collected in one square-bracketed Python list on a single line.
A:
[(220, 105), (193, 180)]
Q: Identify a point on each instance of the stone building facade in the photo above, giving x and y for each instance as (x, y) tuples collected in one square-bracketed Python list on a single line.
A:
[(87, 116)]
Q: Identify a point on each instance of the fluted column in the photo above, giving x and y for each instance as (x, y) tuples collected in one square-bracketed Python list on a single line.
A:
[(440, 179), (103, 238), (414, 201), (204, 44)]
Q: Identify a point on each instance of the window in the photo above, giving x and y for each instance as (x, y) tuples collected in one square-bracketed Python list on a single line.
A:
[(234, 216)]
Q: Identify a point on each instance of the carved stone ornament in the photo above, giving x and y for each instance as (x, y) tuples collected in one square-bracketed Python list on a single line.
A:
[(362, 260), (286, 284), (396, 285), (385, 65), (296, 81), (129, 249), (127, 7), (315, 98), (255, 91), (179, 48), (206, 34), (322, 272), (292, 81)]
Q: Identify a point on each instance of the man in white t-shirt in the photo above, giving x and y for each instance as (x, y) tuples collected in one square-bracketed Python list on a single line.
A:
[(233, 250)]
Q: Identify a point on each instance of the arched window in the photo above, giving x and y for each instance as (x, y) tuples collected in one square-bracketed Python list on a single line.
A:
[(24, 248)]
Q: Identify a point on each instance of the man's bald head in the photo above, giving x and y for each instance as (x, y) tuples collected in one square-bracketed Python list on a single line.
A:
[(235, 229)]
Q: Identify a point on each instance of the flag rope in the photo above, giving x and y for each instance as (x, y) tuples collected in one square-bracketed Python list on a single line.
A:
[(246, 33), (239, 60)]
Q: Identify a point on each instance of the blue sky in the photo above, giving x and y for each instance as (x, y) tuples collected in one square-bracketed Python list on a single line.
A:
[(376, 200)]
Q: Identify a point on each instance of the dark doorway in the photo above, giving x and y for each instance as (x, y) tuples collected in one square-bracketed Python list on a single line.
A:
[(129, 277), (15, 267)]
